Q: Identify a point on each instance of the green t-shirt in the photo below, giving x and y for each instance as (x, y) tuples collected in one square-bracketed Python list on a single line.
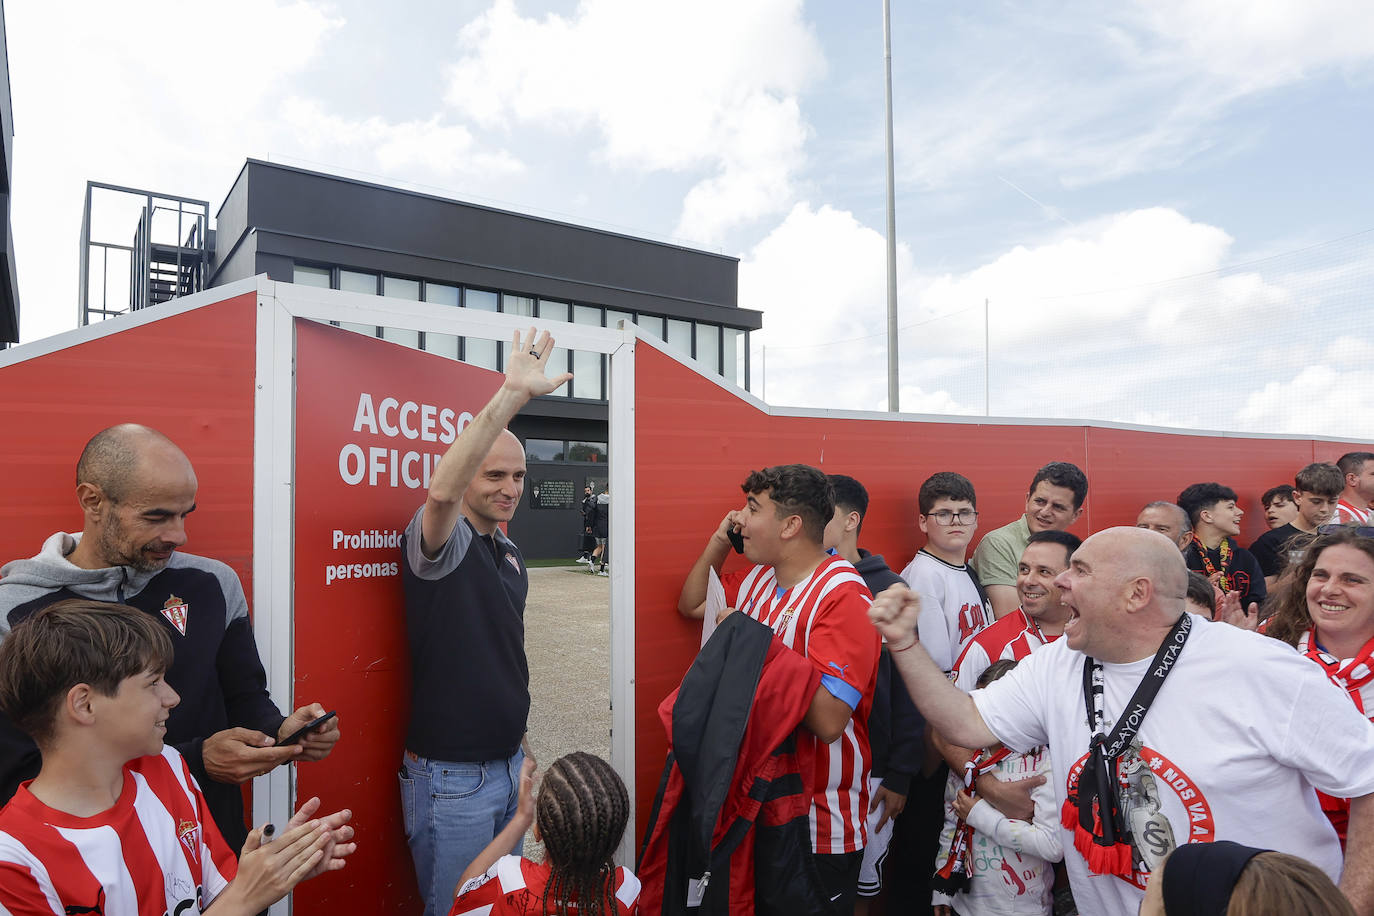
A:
[(999, 553)]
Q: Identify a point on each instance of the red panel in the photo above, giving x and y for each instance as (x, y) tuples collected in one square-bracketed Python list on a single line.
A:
[(350, 639), (189, 375), (695, 442), (1128, 468)]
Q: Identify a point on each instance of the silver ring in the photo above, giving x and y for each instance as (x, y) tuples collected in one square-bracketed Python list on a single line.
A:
[(534, 353)]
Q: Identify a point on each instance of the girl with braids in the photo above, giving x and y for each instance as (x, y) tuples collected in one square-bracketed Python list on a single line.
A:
[(579, 815), (1326, 611)]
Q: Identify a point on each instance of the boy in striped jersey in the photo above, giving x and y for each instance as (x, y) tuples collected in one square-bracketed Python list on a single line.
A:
[(114, 823), (817, 604)]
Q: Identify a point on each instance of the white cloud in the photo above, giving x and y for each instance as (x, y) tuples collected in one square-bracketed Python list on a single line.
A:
[(1318, 400), (1082, 93), (663, 85), (429, 145), (1255, 46), (1133, 317)]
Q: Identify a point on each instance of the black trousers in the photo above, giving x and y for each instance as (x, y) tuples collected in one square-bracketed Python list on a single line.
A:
[(839, 875)]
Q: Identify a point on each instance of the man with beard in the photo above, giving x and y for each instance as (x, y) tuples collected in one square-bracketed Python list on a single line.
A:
[(135, 489)]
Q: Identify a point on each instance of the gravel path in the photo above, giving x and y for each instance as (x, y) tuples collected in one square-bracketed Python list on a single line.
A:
[(568, 643)]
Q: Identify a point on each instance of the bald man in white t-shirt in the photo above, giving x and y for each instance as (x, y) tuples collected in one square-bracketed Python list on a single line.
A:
[(1231, 746)]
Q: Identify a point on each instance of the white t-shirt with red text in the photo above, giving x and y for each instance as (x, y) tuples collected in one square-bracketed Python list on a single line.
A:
[(952, 610), (1242, 731)]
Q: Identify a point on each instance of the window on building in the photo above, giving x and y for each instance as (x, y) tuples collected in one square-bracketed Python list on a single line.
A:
[(545, 449), (613, 318), (560, 360), (304, 275), (514, 305), (708, 346), (517, 305), (733, 340), (653, 324), (587, 366), (401, 288), (587, 451), (441, 294), (352, 281), (680, 336), (442, 344), (476, 350)]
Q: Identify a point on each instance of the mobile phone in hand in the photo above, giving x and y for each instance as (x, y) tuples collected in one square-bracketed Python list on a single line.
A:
[(307, 728), (736, 539)]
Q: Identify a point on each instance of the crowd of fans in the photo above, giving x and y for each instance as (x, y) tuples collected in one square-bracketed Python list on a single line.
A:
[(1022, 723)]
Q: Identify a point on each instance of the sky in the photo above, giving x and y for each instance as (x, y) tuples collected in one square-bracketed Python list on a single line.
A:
[(1154, 212)]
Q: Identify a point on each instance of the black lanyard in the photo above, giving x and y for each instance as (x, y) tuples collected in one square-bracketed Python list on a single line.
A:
[(1134, 714)]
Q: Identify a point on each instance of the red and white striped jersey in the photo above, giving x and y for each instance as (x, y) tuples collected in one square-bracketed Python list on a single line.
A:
[(1013, 636), (515, 887), (825, 618), (156, 851), (1348, 514)]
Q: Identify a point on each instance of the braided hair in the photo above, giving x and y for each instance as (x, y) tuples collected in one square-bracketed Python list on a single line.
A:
[(581, 812)]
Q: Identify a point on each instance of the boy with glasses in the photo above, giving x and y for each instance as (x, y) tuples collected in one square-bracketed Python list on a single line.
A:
[(953, 607)]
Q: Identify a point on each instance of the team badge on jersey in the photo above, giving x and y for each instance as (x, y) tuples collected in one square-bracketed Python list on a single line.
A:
[(189, 834), (510, 558), (176, 611)]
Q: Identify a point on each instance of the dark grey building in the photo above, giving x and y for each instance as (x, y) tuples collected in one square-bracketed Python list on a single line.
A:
[(9, 284), (310, 228)]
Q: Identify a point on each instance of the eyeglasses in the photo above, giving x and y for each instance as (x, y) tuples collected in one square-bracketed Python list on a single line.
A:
[(949, 517)]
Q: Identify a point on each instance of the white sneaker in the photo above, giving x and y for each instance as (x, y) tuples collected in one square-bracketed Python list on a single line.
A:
[(602, 573)]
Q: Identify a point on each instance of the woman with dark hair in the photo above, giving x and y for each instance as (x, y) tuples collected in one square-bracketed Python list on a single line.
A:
[(1326, 611), (1228, 879)]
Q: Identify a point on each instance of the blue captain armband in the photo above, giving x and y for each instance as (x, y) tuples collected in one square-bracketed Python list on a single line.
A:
[(842, 691)]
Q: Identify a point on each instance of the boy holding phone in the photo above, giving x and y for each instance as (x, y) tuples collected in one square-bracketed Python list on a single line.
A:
[(114, 823)]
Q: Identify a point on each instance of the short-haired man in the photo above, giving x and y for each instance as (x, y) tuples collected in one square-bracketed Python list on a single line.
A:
[(114, 823), (894, 726), (135, 489), (1199, 763), (1316, 488), (953, 607), (1213, 549), (1356, 506), (1040, 618), (465, 587), (817, 604), (1053, 503), (1278, 505), (1169, 520)]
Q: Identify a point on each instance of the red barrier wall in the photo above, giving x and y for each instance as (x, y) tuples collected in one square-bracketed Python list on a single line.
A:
[(695, 442), (350, 638), (188, 375)]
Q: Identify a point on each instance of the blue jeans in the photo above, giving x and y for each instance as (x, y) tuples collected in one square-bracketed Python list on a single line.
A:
[(451, 812)]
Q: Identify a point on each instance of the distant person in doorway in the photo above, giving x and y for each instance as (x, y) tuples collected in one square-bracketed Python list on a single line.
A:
[(601, 529)]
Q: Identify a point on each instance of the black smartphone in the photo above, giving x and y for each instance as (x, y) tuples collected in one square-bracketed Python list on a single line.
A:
[(736, 539), (310, 727)]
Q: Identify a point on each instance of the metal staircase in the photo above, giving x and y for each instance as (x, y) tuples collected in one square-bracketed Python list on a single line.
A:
[(168, 257)]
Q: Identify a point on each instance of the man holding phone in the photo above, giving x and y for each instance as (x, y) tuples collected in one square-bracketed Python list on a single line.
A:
[(135, 488), (465, 586)]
